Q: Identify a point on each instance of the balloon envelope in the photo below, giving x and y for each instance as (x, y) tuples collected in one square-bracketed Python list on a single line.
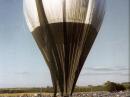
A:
[(65, 31)]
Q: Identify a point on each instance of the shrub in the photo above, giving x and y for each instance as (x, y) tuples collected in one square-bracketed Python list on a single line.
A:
[(114, 87)]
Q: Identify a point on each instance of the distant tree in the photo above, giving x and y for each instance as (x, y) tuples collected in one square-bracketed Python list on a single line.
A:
[(114, 87), (126, 85), (110, 86)]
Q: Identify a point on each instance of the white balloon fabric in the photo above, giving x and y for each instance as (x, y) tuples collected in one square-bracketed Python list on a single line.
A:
[(75, 11)]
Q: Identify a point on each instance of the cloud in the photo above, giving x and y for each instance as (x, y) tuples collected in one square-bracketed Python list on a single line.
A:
[(118, 68), (23, 73), (100, 69), (123, 68), (104, 73)]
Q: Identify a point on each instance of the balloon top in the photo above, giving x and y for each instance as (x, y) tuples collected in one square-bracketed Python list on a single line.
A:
[(80, 11)]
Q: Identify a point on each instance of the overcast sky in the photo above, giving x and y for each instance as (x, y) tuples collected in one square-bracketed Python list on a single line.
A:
[(22, 65)]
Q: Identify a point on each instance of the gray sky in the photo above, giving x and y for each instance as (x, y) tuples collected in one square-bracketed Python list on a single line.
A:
[(22, 65)]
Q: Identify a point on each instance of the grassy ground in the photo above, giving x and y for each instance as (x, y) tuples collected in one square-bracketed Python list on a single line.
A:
[(22, 94)]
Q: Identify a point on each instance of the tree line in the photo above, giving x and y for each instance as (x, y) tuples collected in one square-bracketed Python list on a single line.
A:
[(107, 86)]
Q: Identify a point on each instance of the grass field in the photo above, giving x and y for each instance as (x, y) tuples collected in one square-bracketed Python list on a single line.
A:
[(79, 94), (24, 94)]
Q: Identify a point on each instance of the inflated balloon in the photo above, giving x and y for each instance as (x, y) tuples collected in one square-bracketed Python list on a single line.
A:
[(65, 31)]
